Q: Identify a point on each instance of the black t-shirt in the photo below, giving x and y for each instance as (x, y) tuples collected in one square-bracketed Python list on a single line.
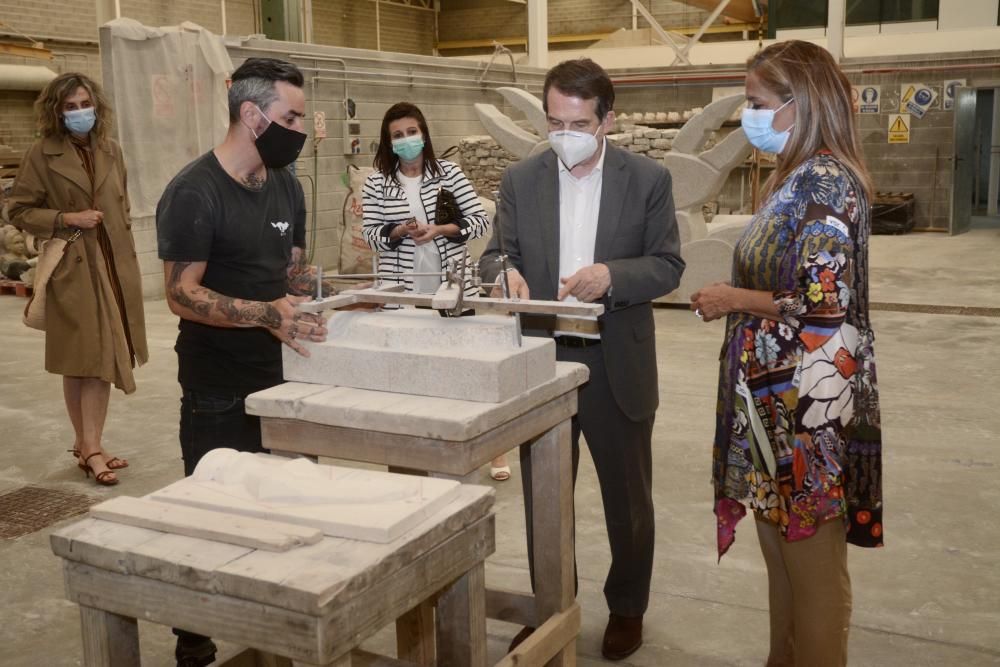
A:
[(246, 238)]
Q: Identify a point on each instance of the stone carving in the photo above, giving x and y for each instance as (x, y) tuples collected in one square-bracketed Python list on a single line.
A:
[(14, 255), (342, 502)]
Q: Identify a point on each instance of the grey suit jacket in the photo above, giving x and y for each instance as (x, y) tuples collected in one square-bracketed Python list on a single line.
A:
[(636, 238)]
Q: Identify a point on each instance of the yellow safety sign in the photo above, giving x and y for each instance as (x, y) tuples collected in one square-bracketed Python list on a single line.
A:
[(905, 97), (899, 128)]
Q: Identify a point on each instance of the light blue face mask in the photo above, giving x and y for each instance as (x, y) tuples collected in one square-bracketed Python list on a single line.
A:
[(408, 148), (758, 125), (80, 121)]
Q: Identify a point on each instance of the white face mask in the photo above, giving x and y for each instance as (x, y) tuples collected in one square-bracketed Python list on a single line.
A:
[(573, 147)]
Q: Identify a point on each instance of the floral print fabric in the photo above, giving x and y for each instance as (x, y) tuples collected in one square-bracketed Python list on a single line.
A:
[(798, 434)]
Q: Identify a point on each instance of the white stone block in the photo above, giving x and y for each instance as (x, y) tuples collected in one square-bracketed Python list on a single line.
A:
[(418, 352)]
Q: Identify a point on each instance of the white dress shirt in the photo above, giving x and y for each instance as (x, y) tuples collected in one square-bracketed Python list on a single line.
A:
[(579, 207)]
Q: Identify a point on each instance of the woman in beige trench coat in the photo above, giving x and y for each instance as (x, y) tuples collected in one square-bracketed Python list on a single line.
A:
[(71, 185)]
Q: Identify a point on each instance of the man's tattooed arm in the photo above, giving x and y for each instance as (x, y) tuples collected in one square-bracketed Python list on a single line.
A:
[(302, 276), (190, 300)]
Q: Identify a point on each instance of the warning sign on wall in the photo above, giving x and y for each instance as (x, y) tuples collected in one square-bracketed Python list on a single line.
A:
[(869, 98), (899, 128), (915, 98), (950, 85)]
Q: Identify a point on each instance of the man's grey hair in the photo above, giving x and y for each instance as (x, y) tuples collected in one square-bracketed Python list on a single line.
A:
[(259, 91), (254, 80)]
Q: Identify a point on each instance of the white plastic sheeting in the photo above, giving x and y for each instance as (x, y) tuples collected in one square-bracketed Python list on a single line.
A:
[(170, 97)]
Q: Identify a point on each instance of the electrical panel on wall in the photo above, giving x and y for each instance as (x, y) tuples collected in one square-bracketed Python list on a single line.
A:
[(352, 128), (352, 137)]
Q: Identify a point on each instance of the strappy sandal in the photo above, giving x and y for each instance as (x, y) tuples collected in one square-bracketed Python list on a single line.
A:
[(114, 463), (501, 474), (104, 478)]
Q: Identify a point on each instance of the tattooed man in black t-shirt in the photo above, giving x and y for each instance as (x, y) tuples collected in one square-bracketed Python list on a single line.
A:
[(231, 234)]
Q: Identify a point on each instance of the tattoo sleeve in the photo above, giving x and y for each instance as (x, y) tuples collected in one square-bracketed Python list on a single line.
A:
[(210, 307), (302, 277)]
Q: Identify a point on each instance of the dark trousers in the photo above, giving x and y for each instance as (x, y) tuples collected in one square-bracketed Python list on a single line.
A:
[(622, 454), (213, 421), (210, 421)]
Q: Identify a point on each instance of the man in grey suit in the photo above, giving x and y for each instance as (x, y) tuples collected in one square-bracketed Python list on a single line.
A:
[(591, 222)]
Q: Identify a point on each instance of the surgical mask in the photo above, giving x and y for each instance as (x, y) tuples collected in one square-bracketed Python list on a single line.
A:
[(408, 148), (80, 121), (278, 146), (573, 147), (758, 125)]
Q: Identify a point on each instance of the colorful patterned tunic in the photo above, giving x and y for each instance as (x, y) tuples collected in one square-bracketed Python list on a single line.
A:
[(798, 429)]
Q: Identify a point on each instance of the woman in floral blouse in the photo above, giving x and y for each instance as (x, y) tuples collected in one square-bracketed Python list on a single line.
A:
[(798, 431)]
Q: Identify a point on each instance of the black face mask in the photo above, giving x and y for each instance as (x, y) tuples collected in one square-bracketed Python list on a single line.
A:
[(279, 146)]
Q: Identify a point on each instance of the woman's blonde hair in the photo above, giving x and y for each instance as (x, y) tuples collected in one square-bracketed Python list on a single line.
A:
[(48, 106), (824, 113)]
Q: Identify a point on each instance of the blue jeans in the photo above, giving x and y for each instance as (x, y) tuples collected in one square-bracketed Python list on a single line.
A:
[(212, 421)]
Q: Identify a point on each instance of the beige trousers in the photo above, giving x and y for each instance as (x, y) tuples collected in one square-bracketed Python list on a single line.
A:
[(809, 594)]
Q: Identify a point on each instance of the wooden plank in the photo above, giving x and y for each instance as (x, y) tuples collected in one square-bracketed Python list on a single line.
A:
[(415, 635), (319, 578), (387, 598), (434, 455), (511, 606), (480, 304), (552, 529), (253, 624), (461, 621), (206, 524), (99, 543), (558, 634), (360, 658), (403, 414), (109, 640)]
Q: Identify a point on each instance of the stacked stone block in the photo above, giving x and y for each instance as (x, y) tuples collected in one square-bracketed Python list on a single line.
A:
[(483, 161)]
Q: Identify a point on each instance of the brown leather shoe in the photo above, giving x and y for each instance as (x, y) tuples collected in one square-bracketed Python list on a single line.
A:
[(622, 638), (520, 637)]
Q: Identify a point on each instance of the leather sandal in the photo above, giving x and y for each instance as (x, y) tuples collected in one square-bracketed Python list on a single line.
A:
[(114, 463), (104, 478)]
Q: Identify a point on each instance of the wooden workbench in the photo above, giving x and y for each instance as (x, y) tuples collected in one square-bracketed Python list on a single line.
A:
[(454, 438), (312, 605)]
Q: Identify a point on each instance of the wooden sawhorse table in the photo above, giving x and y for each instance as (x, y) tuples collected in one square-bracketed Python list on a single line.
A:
[(312, 605), (454, 438)]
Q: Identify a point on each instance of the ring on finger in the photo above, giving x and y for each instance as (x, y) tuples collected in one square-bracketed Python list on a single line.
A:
[(697, 312)]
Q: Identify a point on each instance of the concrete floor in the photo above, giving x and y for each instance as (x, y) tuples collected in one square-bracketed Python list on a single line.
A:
[(931, 597)]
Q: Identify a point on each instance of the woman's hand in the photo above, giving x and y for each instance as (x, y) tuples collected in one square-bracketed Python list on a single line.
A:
[(403, 230), (713, 301), (422, 234), (83, 219)]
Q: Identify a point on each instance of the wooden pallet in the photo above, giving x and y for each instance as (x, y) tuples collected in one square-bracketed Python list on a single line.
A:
[(15, 287)]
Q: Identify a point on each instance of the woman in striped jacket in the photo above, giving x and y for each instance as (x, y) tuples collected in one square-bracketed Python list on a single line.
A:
[(401, 200)]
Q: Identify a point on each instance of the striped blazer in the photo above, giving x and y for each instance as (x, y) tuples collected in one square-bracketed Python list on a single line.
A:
[(385, 206)]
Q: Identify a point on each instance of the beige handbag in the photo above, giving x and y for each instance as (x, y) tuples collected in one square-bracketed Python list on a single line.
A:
[(52, 253)]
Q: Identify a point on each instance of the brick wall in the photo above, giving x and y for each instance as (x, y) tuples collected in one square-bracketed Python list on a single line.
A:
[(925, 166), (496, 19), (351, 23)]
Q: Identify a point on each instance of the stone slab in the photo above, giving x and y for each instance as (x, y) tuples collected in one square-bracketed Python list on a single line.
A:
[(349, 503), (418, 352), (423, 416)]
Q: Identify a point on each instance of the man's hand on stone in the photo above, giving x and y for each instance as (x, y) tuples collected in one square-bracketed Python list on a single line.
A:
[(290, 326), (588, 284)]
